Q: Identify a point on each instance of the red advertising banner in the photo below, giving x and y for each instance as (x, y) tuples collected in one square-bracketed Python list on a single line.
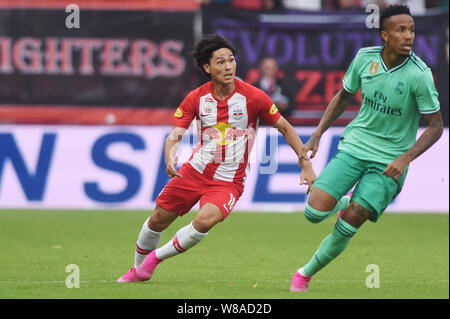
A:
[(117, 66)]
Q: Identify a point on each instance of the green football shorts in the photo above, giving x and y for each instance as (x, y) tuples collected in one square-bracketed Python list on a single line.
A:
[(374, 191)]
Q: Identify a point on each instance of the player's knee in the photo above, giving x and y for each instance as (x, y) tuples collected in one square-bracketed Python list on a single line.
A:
[(313, 215), (205, 222), (203, 225), (208, 216), (356, 214), (321, 200), (158, 222)]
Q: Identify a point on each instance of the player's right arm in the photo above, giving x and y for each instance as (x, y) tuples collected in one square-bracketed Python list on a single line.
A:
[(335, 108), (181, 120), (170, 150)]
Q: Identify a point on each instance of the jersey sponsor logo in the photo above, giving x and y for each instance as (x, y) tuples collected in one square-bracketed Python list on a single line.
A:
[(218, 133), (224, 134), (374, 67), (273, 110), (381, 107), (178, 113)]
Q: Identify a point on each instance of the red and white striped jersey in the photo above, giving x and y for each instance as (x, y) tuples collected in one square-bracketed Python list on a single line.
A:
[(226, 129)]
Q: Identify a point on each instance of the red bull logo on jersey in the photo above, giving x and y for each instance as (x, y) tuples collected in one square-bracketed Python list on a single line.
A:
[(238, 114), (218, 133), (224, 134)]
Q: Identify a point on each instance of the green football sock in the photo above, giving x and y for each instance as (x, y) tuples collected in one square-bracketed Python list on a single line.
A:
[(331, 247), (315, 216)]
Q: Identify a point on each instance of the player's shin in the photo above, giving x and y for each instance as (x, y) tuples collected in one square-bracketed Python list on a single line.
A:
[(330, 248), (148, 240), (184, 239)]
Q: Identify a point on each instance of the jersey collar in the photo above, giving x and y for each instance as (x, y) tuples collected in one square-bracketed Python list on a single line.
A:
[(394, 68)]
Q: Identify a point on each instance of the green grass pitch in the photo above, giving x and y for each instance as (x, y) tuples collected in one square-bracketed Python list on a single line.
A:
[(249, 256)]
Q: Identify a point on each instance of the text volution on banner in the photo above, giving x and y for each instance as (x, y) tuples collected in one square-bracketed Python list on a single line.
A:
[(314, 50), (105, 167)]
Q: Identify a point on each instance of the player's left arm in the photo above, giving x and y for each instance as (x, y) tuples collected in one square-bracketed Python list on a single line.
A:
[(430, 136), (307, 175)]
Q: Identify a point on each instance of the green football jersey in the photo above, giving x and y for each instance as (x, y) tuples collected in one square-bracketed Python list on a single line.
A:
[(392, 101)]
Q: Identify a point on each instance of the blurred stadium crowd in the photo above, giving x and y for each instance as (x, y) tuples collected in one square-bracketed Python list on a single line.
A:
[(416, 6), (130, 64)]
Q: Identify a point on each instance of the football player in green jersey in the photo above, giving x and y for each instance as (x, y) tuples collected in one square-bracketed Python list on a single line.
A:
[(376, 148)]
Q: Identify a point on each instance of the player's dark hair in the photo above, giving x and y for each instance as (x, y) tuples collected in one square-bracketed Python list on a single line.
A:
[(206, 45), (392, 11)]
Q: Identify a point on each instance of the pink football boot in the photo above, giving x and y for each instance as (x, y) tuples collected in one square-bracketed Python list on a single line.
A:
[(299, 282), (146, 269), (130, 276)]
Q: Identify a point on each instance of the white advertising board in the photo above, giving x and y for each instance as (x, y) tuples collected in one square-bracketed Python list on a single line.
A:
[(122, 167)]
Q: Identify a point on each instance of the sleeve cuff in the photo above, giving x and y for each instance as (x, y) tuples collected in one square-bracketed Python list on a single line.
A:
[(347, 89), (180, 124), (431, 112)]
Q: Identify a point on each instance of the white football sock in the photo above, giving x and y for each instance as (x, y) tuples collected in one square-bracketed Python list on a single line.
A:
[(184, 239), (148, 240), (302, 272)]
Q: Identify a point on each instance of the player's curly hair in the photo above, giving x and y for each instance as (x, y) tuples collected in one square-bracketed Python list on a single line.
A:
[(207, 44), (392, 11)]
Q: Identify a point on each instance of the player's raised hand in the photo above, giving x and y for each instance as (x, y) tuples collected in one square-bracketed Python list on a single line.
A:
[(311, 146), (396, 168), (171, 171)]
